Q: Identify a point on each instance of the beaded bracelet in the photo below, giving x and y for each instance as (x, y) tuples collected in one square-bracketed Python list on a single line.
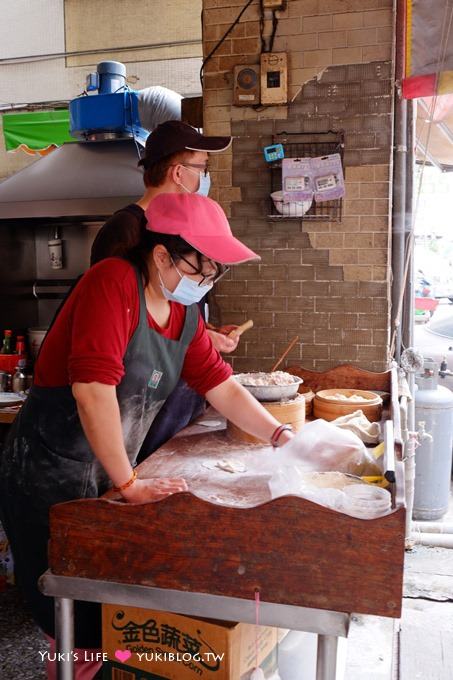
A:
[(127, 484), (276, 435)]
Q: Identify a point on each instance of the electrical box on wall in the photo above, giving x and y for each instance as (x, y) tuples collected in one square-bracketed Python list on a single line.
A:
[(273, 4), (274, 78), (246, 91)]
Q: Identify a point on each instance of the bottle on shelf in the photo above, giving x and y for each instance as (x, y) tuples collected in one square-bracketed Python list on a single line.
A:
[(19, 379), (6, 347), (20, 344)]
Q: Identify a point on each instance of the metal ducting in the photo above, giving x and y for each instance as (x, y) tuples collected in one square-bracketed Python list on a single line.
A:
[(76, 180)]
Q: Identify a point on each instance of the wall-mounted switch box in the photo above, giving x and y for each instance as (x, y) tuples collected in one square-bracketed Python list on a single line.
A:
[(274, 78), (273, 4)]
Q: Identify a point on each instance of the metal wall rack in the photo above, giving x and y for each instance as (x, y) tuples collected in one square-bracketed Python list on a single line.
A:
[(303, 145)]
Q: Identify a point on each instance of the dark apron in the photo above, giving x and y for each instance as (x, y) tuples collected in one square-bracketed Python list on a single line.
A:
[(182, 406), (47, 459)]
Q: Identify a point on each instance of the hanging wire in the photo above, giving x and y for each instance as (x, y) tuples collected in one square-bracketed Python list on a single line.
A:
[(263, 42), (31, 58), (275, 19), (274, 29), (443, 47), (224, 36)]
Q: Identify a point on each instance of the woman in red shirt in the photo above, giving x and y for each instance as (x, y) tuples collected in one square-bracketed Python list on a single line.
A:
[(123, 338)]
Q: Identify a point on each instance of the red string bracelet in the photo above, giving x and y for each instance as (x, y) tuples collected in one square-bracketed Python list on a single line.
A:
[(276, 435)]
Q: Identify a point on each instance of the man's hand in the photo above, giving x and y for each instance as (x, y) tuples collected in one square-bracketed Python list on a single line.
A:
[(220, 339)]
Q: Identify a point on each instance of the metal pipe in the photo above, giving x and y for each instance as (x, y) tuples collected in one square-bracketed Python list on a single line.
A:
[(409, 312), (399, 182), (389, 452), (411, 428), (433, 527), (403, 417), (409, 482), (408, 319), (411, 404), (433, 540), (326, 664), (64, 637), (409, 473)]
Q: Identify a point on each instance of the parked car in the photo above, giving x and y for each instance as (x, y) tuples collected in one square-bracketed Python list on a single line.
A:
[(444, 291)]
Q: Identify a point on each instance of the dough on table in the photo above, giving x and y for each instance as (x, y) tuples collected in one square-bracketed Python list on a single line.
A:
[(226, 464)]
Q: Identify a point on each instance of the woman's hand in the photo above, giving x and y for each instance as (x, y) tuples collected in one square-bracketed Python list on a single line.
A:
[(221, 341), (285, 437), (234, 402), (146, 490), (226, 330), (99, 413)]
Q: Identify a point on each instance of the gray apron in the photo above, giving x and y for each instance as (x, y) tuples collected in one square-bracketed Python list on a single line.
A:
[(47, 458)]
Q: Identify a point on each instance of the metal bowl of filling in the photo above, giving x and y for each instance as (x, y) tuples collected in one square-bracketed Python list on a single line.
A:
[(275, 386)]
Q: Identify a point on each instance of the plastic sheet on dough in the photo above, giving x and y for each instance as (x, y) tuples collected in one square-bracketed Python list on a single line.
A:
[(269, 472)]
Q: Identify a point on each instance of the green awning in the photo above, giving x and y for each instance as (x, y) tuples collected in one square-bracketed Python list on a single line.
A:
[(36, 131)]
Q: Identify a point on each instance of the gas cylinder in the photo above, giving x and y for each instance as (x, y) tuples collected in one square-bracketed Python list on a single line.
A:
[(433, 456)]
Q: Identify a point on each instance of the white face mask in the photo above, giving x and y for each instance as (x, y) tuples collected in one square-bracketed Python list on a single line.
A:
[(187, 292), (204, 185)]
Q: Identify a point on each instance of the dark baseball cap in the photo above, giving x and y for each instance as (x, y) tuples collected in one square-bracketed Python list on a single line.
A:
[(173, 136)]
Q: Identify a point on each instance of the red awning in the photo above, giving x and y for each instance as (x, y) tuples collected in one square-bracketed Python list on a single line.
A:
[(428, 48)]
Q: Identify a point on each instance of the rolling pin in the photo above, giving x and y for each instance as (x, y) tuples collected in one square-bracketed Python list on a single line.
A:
[(287, 351), (236, 332)]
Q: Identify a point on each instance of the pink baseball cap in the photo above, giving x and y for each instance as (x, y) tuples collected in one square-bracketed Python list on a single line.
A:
[(201, 222)]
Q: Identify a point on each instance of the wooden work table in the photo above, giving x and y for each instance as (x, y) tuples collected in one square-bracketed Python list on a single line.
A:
[(302, 557), (7, 417)]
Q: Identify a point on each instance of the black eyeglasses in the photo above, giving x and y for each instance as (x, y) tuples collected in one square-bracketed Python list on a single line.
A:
[(203, 168), (221, 270)]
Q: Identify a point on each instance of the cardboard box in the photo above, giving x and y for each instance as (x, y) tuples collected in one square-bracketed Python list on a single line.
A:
[(168, 646)]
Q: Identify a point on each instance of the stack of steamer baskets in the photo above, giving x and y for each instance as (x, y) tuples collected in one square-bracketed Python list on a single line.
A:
[(279, 393), (334, 403)]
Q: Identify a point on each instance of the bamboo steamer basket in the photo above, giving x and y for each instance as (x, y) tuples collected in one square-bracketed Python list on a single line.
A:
[(324, 406), (308, 396), (291, 412)]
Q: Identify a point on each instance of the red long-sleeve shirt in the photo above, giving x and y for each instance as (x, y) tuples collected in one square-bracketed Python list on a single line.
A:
[(89, 338)]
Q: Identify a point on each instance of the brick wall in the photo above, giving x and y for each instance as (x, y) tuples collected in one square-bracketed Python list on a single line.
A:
[(327, 282)]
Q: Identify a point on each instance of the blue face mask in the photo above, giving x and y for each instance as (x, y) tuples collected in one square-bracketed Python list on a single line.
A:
[(187, 292), (204, 185)]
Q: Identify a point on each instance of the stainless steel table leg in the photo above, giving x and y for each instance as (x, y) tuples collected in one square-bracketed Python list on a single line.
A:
[(326, 664), (64, 637)]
